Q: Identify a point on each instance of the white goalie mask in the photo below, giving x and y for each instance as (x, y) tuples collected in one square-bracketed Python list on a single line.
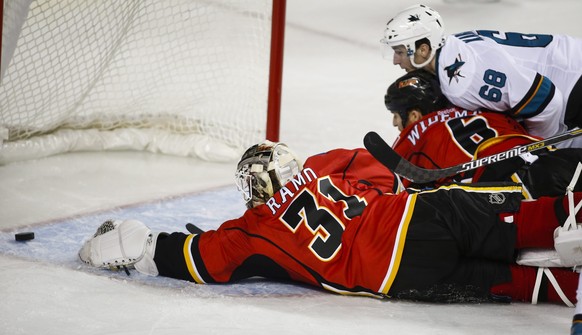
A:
[(413, 24), (263, 169)]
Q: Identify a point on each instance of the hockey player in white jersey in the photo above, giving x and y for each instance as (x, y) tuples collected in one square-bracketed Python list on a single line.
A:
[(533, 77)]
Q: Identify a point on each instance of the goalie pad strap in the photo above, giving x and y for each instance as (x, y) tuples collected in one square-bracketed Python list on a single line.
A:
[(538, 285)]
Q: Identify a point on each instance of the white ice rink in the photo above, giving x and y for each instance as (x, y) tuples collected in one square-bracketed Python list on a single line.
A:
[(333, 86)]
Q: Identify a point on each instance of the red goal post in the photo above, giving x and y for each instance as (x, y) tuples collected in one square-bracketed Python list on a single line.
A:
[(187, 77)]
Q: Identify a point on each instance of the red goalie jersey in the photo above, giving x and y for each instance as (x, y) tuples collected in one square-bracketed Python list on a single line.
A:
[(307, 231), (454, 136)]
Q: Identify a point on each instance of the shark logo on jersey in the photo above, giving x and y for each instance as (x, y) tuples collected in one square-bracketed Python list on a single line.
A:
[(454, 70), (413, 18)]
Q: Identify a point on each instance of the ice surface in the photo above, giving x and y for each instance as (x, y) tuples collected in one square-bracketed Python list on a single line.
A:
[(333, 86)]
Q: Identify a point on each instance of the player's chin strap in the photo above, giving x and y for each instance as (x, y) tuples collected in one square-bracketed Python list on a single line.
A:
[(426, 62)]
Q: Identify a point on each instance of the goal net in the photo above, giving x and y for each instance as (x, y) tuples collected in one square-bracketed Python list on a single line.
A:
[(182, 77)]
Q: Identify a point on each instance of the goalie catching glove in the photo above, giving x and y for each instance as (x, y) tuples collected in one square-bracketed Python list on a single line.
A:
[(122, 244)]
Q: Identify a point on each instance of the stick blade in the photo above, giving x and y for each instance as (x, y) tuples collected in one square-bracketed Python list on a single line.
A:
[(382, 151), (400, 166)]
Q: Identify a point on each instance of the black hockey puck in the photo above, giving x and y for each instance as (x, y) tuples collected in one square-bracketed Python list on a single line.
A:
[(24, 236)]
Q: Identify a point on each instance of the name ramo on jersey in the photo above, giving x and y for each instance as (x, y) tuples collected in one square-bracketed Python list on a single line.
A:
[(287, 192)]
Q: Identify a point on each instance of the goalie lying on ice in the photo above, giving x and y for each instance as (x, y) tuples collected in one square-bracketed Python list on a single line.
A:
[(340, 223)]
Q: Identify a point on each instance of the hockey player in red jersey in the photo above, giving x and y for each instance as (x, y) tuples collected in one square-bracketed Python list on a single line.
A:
[(336, 223), (436, 135)]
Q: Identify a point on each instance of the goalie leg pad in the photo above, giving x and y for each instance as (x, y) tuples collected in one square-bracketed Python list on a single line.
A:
[(121, 243), (568, 244), (568, 238), (548, 258), (556, 285)]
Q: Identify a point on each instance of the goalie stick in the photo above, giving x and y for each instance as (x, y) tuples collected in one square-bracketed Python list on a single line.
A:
[(397, 164)]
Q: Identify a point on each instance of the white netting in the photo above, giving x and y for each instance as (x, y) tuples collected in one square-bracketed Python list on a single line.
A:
[(186, 71)]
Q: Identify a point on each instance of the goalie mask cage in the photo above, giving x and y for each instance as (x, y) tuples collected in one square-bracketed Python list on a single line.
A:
[(184, 77)]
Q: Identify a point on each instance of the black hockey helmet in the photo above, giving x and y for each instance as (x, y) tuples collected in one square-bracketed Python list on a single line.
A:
[(417, 89)]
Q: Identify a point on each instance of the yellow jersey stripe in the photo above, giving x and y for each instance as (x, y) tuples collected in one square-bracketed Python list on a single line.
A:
[(496, 140), (524, 191), (531, 97), (190, 260), (477, 189), (343, 292), (398, 245)]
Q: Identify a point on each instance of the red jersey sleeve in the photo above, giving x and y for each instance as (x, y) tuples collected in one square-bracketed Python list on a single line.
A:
[(357, 165)]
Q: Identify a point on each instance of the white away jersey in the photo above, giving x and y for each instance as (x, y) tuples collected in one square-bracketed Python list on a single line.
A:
[(529, 76)]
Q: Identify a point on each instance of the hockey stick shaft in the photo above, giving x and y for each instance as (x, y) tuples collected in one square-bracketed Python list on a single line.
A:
[(193, 229), (397, 164)]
